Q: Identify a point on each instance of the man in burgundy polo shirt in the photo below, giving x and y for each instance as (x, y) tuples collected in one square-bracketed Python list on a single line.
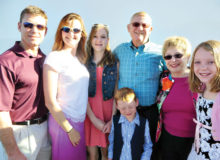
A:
[(23, 115)]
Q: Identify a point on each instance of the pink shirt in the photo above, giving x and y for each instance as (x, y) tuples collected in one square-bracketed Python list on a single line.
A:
[(178, 110)]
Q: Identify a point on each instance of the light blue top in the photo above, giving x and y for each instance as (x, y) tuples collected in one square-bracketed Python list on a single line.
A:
[(140, 70), (127, 134)]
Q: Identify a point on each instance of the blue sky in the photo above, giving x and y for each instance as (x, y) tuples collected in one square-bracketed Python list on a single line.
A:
[(198, 20)]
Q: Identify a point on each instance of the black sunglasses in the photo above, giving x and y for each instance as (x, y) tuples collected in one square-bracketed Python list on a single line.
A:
[(178, 55), (67, 30), (31, 25), (137, 24)]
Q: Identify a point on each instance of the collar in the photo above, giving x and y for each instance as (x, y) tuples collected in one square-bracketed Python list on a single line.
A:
[(17, 49), (135, 120)]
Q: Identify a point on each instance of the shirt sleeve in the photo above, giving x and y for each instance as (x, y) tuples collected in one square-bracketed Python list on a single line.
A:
[(54, 60), (7, 87), (148, 144), (115, 53), (111, 142)]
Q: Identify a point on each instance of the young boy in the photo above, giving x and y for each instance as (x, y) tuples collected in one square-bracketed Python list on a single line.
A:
[(129, 137)]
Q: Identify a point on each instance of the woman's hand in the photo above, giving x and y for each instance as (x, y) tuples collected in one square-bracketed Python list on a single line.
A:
[(74, 137)]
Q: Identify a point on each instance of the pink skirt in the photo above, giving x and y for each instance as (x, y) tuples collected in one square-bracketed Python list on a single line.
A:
[(62, 148)]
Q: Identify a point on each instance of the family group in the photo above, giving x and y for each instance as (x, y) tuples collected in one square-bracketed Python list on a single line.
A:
[(83, 101)]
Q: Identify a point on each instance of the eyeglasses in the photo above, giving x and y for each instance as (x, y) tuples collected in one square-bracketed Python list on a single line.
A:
[(137, 24), (178, 56), (67, 30), (31, 25)]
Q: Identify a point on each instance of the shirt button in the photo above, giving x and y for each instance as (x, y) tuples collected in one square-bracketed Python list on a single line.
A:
[(105, 82), (103, 74)]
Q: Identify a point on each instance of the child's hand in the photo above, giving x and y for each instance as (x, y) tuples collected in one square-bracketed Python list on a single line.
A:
[(107, 127), (99, 124)]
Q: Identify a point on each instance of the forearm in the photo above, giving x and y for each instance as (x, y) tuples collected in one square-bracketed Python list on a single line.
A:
[(50, 81), (90, 113), (98, 123), (59, 116), (6, 134)]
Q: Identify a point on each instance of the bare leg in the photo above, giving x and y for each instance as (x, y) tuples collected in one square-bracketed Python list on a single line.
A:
[(93, 152), (104, 152)]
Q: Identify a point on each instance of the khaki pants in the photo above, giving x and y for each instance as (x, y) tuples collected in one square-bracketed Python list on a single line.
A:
[(32, 140)]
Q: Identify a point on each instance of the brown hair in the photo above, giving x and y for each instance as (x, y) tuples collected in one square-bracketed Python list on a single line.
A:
[(108, 58), (125, 94), (213, 47), (33, 10), (59, 44)]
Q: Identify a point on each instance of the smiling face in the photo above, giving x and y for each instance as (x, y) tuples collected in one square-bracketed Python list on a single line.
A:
[(140, 33), (32, 37), (176, 65), (204, 66), (72, 39), (100, 40)]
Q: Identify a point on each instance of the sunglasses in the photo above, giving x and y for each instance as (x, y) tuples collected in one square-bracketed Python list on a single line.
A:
[(178, 56), (67, 30), (137, 24), (31, 25)]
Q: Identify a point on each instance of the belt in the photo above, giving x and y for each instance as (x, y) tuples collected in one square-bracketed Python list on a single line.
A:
[(32, 121)]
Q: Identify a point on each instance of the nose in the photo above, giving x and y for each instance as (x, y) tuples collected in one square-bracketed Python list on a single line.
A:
[(173, 58), (203, 66), (141, 27), (34, 29)]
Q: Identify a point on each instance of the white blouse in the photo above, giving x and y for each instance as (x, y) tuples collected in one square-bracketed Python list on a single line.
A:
[(73, 81)]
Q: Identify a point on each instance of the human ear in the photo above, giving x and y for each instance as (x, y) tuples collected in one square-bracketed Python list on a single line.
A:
[(19, 26), (128, 27)]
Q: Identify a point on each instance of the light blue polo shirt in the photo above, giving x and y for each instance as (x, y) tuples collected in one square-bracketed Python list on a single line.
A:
[(140, 70)]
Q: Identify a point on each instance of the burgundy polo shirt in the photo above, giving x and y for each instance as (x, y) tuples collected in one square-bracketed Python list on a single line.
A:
[(21, 84)]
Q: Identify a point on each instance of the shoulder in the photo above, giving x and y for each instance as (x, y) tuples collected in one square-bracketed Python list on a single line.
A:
[(8, 59), (6, 56), (54, 55), (154, 48), (121, 47)]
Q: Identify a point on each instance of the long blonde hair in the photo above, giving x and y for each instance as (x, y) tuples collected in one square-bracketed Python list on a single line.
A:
[(213, 47)]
